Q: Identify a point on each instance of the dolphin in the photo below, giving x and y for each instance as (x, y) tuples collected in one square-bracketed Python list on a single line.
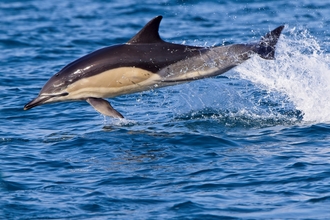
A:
[(145, 62)]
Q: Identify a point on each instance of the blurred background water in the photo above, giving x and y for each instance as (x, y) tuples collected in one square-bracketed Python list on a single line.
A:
[(252, 143)]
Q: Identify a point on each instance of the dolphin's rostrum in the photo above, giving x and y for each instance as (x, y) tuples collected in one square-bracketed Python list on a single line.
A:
[(143, 63)]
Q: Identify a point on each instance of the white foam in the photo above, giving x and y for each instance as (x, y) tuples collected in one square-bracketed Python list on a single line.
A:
[(117, 121), (301, 71)]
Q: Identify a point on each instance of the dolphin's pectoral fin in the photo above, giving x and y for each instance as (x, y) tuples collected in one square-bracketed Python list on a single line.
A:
[(103, 107)]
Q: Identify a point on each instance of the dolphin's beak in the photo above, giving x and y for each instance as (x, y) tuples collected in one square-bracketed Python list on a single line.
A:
[(42, 99), (37, 101)]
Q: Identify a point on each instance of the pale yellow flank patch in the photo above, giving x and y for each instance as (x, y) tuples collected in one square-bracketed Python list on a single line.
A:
[(113, 82)]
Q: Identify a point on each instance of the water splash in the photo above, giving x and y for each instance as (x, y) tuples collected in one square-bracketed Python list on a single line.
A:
[(301, 72), (109, 123), (235, 103)]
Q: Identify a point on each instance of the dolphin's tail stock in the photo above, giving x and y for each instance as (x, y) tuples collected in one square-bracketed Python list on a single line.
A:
[(267, 44)]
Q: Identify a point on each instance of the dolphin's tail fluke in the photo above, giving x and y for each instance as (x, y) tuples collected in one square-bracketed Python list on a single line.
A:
[(266, 46)]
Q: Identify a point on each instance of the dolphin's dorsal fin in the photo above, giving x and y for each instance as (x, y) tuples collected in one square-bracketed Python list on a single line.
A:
[(149, 33)]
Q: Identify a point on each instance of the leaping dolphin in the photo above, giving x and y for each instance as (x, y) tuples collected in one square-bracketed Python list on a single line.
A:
[(144, 62)]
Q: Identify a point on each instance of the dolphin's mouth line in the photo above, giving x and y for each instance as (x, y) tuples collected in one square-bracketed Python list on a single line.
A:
[(41, 99), (37, 101)]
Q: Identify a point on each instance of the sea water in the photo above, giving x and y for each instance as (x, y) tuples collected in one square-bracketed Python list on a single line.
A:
[(252, 143)]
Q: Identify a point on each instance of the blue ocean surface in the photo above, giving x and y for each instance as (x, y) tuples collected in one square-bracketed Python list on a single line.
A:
[(252, 143)]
